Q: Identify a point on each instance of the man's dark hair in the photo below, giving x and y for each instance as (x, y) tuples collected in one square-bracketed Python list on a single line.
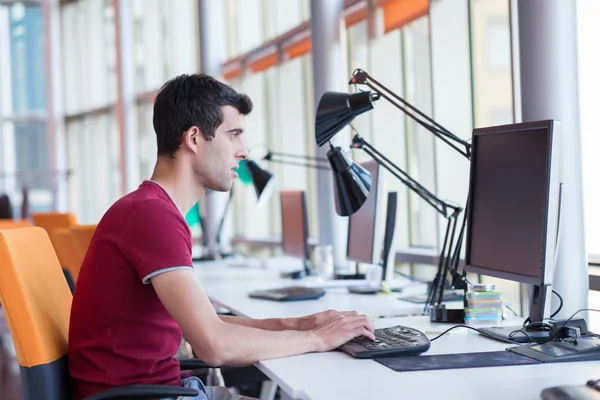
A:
[(192, 100)]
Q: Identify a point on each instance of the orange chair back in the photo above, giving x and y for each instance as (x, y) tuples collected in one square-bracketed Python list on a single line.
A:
[(67, 251), (37, 303), (82, 236), (14, 223), (52, 220)]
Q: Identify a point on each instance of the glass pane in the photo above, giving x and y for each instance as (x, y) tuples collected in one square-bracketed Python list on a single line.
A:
[(93, 159), (88, 45), (421, 160), (165, 41), (31, 147), (492, 72), (27, 58), (389, 132), (281, 16), (248, 25)]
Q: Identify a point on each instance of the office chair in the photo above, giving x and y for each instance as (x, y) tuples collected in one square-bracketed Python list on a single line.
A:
[(52, 220), (37, 304), (82, 237), (14, 223)]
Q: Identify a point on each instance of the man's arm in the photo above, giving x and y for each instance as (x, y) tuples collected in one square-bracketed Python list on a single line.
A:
[(217, 342), (271, 324), (280, 324)]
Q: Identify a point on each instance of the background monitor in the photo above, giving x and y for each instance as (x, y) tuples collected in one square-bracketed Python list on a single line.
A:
[(512, 218), (294, 224), (364, 236)]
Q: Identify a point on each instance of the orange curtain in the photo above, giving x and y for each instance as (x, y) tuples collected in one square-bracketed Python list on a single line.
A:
[(300, 48), (356, 16), (263, 63), (397, 13), (232, 73)]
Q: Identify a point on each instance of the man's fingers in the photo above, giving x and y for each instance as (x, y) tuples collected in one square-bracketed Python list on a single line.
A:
[(368, 334), (360, 321), (349, 313)]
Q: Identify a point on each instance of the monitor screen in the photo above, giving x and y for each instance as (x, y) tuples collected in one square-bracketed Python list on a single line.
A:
[(364, 244), (294, 223), (513, 202)]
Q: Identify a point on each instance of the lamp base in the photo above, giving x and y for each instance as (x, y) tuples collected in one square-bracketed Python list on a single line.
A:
[(447, 315)]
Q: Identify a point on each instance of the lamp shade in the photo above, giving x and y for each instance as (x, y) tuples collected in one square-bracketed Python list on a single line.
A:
[(336, 110), (351, 181), (261, 179)]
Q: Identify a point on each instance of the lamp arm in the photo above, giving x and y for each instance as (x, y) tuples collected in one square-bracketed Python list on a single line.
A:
[(447, 259), (362, 77), (307, 165), (440, 205), (270, 154)]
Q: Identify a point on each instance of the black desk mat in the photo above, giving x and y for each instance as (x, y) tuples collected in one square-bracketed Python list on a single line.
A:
[(452, 361)]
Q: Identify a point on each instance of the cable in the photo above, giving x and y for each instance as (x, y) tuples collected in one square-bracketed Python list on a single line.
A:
[(511, 310), (514, 333), (560, 305), (477, 330)]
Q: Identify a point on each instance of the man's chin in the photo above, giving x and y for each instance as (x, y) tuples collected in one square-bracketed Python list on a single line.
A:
[(221, 188)]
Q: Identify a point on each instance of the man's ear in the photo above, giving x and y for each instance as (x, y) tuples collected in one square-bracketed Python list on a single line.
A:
[(192, 139)]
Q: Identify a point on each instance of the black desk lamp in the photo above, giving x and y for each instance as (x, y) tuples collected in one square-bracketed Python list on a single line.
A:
[(335, 111)]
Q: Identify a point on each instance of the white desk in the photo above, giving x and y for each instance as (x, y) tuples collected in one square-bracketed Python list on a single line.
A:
[(336, 375)]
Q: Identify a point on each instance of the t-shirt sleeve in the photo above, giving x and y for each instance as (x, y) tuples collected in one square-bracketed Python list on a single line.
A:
[(156, 239)]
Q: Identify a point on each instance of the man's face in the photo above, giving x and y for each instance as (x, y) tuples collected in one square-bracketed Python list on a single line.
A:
[(216, 164)]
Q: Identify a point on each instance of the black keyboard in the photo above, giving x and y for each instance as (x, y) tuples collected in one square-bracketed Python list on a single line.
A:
[(292, 293), (393, 341)]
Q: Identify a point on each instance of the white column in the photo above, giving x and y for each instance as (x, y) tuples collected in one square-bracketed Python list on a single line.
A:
[(126, 100), (54, 103), (211, 23), (329, 74), (549, 89)]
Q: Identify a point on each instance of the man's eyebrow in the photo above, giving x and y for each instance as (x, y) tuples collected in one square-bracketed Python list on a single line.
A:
[(236, 130)]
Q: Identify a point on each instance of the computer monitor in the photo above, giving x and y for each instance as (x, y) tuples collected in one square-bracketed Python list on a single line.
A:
[(294, 228), (513, 209), (364, 236)]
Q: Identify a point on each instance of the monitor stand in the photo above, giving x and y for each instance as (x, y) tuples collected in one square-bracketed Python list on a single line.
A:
[(537, 303)]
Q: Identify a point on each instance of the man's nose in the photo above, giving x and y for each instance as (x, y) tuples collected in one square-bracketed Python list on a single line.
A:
[(243, 154)]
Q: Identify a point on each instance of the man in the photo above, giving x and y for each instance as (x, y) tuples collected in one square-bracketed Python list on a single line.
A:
[(137, 293)]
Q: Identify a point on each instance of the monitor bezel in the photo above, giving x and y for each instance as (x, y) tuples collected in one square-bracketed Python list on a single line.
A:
[(552, 201)]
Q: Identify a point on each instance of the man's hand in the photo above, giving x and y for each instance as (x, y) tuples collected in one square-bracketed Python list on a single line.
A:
[(341, 329), (316, 320)]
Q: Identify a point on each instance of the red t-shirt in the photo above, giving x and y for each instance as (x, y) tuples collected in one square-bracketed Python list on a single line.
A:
[(120, 333)]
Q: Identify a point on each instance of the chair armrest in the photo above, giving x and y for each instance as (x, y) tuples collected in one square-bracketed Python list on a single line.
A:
[(191, 363), (143, 392)]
